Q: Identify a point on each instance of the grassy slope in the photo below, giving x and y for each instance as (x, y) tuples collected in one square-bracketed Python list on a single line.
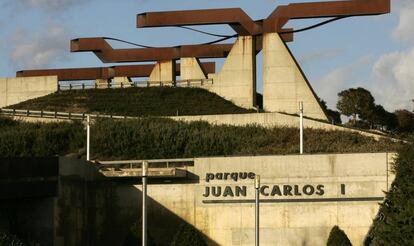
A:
[(152, 138), (154, 101)]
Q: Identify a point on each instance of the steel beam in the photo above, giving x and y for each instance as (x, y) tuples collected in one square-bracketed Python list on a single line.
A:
[(107, 54), (282, 14), (93, 73)]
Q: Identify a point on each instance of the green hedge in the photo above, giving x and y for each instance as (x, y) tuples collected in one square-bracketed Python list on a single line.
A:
[(164, 138), (152, 101), (7, 239), (39, 139), (394, 224), (153, 138)]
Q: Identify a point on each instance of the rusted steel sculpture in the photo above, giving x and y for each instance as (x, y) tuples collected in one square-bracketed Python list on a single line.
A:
[(245, 26), (103, 50), (94, 73)]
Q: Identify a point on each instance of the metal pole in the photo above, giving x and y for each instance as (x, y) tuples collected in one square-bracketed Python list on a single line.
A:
[(88, 137), (257, 214), (144, 202), (301, 126)]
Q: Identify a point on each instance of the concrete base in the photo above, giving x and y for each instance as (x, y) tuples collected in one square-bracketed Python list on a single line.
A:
[(122, 82), (16, 90), (101, 83), (284, 84), (164, 71), (190, 69), (237, 79)]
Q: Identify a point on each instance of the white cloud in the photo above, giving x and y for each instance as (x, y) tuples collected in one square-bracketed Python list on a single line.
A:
[(393, 80), (328, 87), (38, 50), (405, 29)]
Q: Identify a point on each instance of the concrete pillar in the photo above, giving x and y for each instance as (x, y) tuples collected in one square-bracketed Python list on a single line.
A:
[(284, 83), (101, 83), (122, 82), (190, 69), (237, 79), (164, 71)]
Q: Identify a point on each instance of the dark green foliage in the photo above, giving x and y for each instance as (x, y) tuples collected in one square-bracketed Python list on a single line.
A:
[(356, 102), (394, 224), (36, 139), (152, 138), (154, 101), (7, 239), (333, 115), (337, 237), (405, 120), (187, 235), (165, 138)]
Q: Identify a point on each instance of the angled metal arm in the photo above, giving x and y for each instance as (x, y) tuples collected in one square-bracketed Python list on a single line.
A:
[(282, 14)]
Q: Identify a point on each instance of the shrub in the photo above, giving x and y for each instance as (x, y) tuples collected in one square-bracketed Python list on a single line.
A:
[(187, 235), (337, 237), (39, 139), (7, 239), (394, 224), (152, 101)]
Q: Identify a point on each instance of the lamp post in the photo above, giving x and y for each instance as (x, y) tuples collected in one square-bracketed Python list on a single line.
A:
[(301, 126), (257, 214), (88, 137), (144, 202)]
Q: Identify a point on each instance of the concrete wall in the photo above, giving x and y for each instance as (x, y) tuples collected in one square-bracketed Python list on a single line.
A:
[(236, 80), (16, 90), (284, 84), (352, 185), (269, 120)]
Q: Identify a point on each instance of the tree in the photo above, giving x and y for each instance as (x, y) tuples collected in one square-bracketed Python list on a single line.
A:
[(333, 116), (382, 118), (337, 237), (405, 120), (394, 224), (356, 103), (187, 235)]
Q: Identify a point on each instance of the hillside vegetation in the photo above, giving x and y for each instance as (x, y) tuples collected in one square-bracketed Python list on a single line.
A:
[(151, 101), (153, 138)]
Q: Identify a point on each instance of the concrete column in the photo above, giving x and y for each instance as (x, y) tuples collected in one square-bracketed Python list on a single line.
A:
[(122, 82), (237, 79), (164, 71), (284, 83), (101, 83), (190, 69)]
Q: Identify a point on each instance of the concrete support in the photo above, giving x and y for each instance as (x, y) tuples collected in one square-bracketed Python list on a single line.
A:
[(122, 82), (237, 79), (16, 90), (101, 83), (190, 69), (164, 71), (284, 84)]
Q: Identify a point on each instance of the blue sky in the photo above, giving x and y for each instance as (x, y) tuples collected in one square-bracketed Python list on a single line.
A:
[(373, 52)]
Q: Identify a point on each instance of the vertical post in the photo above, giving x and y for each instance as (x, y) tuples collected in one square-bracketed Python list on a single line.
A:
[(88, 137), (257, 214), (301, 126), (144, 202)]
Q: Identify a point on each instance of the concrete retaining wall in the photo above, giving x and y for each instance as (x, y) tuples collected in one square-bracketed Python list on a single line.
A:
[(268, 120), (342, 189), (16, 90)]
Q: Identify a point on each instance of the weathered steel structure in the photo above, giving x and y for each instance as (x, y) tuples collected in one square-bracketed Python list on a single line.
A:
[(284, 83)]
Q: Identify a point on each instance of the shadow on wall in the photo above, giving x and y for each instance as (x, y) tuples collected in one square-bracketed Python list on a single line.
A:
[(88, 210)]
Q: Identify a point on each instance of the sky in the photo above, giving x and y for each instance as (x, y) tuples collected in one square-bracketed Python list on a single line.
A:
[(375, 52)]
